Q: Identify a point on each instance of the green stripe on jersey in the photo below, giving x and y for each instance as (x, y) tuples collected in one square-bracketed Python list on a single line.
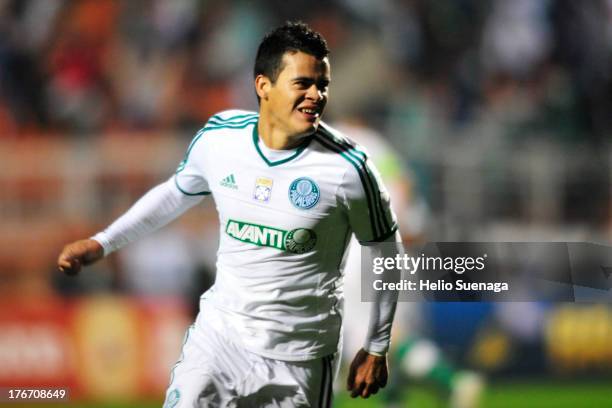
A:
[(231, 125), (233, 120), (204, 130), (361, 156), (235, 116), (228, 125), (366, 186), (378, 218)]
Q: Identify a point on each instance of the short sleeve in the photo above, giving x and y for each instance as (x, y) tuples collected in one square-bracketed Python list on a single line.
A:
[(190, 177), (367, 201)]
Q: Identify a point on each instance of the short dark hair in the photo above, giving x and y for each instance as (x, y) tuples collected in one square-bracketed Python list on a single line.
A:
[(290, 37)]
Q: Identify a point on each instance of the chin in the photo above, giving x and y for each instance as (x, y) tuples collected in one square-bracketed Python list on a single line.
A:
[(311, 127), (310, 130), (305, 130)]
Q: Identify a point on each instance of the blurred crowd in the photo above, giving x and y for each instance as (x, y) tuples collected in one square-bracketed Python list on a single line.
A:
[(496, 116), (500, 110), (414, 67)]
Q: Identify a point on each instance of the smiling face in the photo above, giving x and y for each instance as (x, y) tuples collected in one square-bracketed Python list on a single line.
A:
[(294, 103)]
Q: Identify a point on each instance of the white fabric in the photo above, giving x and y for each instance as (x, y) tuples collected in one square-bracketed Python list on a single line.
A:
[(383, 309), (214, 371), (155, 209), (278, 290)]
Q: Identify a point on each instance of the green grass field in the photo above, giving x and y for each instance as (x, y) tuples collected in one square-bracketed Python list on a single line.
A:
[(510, 395), (535, 394)]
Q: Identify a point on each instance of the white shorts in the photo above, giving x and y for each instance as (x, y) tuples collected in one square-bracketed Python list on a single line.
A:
[(213, 371)]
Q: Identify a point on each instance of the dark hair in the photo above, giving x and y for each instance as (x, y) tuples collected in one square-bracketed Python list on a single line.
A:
[(290, 37)]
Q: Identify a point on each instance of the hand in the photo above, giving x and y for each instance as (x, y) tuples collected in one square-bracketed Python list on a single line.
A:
[(368, 373), (77, 254)]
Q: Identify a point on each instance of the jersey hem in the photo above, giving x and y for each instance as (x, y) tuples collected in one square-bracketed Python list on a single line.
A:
[(102, 239), (209, 321), (202, 193), (290, 357)]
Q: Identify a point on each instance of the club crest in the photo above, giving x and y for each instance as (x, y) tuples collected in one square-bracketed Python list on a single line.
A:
[(263, 189), (304, 193), (173, 399), (300, 240)]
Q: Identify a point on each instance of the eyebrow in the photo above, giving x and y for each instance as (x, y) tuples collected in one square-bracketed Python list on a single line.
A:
[(324, 80)]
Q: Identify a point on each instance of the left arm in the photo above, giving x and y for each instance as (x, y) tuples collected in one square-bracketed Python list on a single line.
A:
[(372, 220), (368, 372)]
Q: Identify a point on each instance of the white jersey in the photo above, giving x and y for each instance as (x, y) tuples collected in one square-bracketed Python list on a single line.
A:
[(286, 218)]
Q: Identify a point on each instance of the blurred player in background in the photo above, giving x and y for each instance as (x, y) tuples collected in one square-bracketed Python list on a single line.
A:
[(290, 192), (416, 357)]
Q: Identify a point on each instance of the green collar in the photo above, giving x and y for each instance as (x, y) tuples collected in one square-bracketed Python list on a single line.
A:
[(297, 152)]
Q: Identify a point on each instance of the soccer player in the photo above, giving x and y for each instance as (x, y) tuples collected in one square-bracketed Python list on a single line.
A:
[(290, 191)]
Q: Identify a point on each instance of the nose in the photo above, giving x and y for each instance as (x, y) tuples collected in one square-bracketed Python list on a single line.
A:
[(314, 93)]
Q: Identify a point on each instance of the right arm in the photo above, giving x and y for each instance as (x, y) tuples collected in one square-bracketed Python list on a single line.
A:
[(155, 209)]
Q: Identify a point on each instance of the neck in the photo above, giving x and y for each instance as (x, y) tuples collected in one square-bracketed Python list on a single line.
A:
[(273, 136)]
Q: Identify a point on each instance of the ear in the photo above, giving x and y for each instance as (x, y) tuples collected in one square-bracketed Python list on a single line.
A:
[(262, 86)]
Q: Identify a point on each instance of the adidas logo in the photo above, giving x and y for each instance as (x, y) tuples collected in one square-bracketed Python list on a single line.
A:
[(229, 182)]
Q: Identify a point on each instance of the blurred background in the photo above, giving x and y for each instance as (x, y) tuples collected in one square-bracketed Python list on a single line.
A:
[(491, 118)]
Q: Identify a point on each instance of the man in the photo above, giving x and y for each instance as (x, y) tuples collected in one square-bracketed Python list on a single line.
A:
[(290, 192)]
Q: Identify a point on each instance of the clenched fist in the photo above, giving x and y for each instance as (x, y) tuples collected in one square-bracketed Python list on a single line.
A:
[(368, 373), (77, 254)]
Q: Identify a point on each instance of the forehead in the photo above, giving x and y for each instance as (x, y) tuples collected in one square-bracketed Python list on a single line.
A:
[(302, 64)]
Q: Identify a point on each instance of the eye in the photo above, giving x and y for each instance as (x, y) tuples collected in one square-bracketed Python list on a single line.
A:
[(323, 86), (302, 84)]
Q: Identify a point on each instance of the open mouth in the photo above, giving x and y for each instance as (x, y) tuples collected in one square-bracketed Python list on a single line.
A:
[(310, 113)]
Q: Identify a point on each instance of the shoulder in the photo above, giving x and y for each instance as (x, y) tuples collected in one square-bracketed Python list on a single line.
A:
[(341, 146), (233, 116), (221, 123), (231, 119)]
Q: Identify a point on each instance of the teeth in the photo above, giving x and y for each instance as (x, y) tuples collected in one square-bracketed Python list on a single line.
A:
[(309, 111)]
